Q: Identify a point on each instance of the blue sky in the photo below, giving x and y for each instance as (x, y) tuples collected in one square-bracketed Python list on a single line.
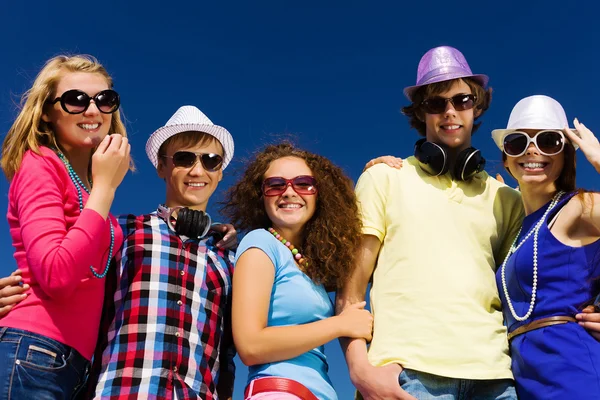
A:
[(329, 74)]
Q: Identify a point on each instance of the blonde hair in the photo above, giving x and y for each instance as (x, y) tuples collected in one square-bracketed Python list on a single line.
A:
[(29, 131)]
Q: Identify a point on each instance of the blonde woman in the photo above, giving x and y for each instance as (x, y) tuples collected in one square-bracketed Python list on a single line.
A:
[(65, 155)]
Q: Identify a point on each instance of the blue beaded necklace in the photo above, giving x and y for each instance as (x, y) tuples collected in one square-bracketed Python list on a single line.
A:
[(78, 185)]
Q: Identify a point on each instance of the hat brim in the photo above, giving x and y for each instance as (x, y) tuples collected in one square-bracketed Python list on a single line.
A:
[(480, 78), (498, 135), (165, 132)]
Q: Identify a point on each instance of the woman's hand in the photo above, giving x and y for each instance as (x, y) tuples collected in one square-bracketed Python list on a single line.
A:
[(392, 161), (110, 162), (356, 322), (11, 292), (587, 142), (229, 240), (590, 320)]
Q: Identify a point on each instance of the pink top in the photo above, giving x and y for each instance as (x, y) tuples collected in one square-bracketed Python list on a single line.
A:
[(55, 245)]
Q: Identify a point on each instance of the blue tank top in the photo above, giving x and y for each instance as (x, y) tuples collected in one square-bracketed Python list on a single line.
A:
[(560, 361)]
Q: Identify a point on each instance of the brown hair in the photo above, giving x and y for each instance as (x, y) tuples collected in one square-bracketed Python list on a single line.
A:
[(29, 131), (186, 139), (332, 235), (483, 98)]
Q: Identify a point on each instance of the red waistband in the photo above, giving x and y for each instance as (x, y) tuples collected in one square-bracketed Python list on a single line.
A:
[(275, 384)]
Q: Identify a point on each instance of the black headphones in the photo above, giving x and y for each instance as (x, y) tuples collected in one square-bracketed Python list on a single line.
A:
[(433, 159), (190, 223)]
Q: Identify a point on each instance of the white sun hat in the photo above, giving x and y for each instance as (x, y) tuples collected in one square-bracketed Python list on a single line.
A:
[(186, 119), (534, 112)]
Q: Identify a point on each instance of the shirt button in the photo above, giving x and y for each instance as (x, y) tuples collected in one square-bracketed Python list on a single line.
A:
[(177, 334), (174, 369), (179, 302), (182, 273)]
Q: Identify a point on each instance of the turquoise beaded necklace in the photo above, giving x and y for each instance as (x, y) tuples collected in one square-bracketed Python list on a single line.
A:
[(78, 185)]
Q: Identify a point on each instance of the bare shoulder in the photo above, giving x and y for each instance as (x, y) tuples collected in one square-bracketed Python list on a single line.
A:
[(591, 198), (584, 209), (585, 203)]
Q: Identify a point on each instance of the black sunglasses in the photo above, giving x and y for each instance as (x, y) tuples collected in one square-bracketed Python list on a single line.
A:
[(548, 142), (75, 101), (186, 159), (437, 105)]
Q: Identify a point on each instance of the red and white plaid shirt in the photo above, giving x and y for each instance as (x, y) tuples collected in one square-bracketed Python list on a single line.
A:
[(167, 323)]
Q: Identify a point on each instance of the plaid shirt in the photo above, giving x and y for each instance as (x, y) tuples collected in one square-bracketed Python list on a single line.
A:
[(167, 323)]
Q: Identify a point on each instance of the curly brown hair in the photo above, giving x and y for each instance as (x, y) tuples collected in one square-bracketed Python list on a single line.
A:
[(415, 114), (331, 236)]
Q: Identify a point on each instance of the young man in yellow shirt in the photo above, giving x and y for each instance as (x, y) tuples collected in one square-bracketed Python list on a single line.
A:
[(433, 232)]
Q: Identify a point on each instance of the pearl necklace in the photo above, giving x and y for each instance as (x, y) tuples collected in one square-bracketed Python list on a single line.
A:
[(297, 256), (78, 185), (535, 230)]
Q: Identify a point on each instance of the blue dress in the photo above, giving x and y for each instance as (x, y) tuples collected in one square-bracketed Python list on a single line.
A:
[(560, 361)]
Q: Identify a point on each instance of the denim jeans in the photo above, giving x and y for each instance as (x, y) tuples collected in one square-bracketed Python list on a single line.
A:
[(426, 386), (33, 366)]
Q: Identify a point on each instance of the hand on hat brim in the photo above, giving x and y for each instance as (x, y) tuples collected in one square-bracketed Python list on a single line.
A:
[(585, 139)]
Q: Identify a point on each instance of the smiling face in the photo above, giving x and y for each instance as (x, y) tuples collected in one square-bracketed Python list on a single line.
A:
[(452, 128), (289, 211), (533, 168), (78, 131), (189, 187)]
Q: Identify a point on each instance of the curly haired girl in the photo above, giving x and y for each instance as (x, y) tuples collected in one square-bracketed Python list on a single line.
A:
[(302, 218)]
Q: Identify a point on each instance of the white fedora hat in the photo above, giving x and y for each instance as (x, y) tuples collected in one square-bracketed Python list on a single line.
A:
[(186, 119), (533, 112)]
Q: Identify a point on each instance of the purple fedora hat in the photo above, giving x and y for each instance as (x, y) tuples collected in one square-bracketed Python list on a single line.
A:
[(442, 64)]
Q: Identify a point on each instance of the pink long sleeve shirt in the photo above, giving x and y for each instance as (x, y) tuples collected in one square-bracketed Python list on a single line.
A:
[(55, 245)]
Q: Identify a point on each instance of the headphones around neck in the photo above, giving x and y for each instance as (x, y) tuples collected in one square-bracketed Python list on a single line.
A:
[(433, 159), (190, 223)]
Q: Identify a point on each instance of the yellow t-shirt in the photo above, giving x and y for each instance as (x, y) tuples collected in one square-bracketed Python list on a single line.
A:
[(434, 295)]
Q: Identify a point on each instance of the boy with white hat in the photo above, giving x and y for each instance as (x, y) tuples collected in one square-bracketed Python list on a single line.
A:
[(166, 324), (434, 231)]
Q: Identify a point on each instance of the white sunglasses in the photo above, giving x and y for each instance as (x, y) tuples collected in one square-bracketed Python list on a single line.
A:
[(548, 143)]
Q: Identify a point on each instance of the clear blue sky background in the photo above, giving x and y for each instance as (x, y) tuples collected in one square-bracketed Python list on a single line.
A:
[(331, 73)]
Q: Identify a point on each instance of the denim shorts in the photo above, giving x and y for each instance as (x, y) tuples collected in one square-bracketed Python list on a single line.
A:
[(426, 386), (33, 366)]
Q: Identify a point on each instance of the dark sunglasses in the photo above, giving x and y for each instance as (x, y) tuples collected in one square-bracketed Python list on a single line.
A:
[(276, 185), (76, 102), (548, 142), (186, 159), (437, 105)]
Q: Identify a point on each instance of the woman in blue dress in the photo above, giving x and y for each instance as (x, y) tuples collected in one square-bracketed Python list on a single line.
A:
[(552, 271)]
